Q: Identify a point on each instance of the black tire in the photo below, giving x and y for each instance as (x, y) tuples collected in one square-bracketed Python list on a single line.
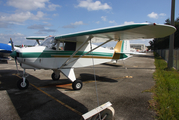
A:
[(54, 77), (21, 86), (77, 85)]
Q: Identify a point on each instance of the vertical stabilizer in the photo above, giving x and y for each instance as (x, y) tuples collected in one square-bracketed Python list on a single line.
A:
[(122, 47)]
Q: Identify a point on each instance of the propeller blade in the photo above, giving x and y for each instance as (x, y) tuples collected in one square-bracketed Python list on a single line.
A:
[(12, 45), (14, 54), (16, 65)]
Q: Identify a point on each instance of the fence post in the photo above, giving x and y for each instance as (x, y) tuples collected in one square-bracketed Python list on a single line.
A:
[(177, 59), (171, 42)]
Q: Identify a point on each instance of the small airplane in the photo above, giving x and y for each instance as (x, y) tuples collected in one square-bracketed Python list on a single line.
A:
[(63, 53), (5, 51)]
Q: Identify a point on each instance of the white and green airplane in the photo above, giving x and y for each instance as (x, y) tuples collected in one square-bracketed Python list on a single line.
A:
[(63, 53)]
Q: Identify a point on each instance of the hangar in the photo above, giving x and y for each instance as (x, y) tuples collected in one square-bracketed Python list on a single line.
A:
[(138, 46)]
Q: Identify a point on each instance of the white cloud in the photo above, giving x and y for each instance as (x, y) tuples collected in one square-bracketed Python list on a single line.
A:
[(39, 16), (42, 28), (74, 25), (162, 14), (21, 17), (37, 26), (90, 5), (55, 14), (46, 22), (27, 4), (97, 22), (127, 23), (18, 38), (112, 21), (78, 23), (156, 15), (153, 15), (52, 7), (5, 24), (104, 18)]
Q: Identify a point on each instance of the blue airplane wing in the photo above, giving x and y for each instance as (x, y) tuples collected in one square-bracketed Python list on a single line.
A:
[(5, 51)]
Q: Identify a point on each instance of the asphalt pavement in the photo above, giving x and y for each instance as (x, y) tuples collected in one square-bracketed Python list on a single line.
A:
[(123, 84)]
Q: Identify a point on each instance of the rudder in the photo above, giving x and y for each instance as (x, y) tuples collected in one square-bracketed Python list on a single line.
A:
[(122, 47)]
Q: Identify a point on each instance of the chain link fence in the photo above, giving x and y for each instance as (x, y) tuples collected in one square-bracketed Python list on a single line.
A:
[(164, 54)]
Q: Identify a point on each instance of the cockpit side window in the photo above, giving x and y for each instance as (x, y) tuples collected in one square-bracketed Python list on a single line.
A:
[(61, 45), (70, 46), (51, 43)]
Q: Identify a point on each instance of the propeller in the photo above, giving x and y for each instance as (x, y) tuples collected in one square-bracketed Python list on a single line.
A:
[(12, 45), (14, 55)]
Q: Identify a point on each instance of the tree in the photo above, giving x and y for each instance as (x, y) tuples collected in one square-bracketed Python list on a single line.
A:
[(163, 43)]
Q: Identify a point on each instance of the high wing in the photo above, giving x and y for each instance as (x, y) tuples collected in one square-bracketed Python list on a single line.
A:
[(122, 32)]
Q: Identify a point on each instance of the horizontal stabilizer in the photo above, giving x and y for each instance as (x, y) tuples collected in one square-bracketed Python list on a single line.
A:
[(133, 53), (36, 37)]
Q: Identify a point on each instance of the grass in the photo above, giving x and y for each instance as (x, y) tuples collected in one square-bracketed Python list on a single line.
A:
[(166, 91)]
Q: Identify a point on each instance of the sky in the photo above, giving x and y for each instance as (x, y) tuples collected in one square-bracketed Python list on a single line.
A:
[(22, 18)]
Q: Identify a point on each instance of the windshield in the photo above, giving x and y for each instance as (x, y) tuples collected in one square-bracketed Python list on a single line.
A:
[(49, 42)]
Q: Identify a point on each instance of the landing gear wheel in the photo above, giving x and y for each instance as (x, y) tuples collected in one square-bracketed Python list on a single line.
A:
[(77, 85), (55, 77), (21, 85)]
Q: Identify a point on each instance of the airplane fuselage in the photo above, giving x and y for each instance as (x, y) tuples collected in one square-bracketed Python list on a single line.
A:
[(41, 57)]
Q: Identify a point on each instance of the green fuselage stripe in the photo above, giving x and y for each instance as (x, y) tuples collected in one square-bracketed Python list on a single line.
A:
[(122, 56), (122, 47), (51, 54)]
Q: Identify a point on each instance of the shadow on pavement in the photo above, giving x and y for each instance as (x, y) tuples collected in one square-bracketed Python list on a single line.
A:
[(112, 64), (32, 104), (87, 77), (145, 56)]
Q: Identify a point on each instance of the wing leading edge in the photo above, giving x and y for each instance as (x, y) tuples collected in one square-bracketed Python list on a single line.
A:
[(122, 32)]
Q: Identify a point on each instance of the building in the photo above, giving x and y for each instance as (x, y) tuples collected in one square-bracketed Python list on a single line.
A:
[(138, 47)]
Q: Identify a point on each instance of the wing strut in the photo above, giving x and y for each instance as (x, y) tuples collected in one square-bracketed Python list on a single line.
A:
[(90, 51), (37, 40), (65, 63)]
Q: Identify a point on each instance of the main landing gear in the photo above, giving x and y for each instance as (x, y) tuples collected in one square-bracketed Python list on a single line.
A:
[(23, 83), (69, 73), (77, 85), (55, 76)]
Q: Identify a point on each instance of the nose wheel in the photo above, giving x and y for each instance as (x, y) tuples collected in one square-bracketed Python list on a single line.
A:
[(23, 83)]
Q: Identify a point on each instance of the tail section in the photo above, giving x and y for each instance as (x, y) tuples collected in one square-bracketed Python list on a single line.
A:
[(122, 47)]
